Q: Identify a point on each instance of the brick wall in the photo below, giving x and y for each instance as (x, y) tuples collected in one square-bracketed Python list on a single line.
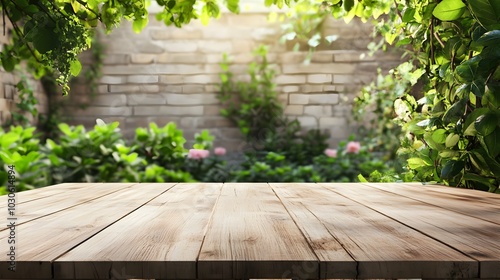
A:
[(9, 95), (168, 74)]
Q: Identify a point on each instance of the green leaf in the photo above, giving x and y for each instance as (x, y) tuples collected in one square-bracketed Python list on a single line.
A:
[(468, 69), (415, 163), (478, 86), (476, 178), (448, 10), (471, 117), (452, 140), (431, 143), (486, 163), (32, 9), (362, 178), (452, 168), (492, 143), (8, 63), (449, 154), (54, 160), (403, 42), (439, 136), (491, 98), (455, 112), (139, 24), (22, 3), (5, 157), (45, 40), (8, 139), (205, 16), (491, 38), (75, 67), (486, 124), (479, 162), (65, 129), (233, 6), (348, 4), (487, 12), (409, 15)]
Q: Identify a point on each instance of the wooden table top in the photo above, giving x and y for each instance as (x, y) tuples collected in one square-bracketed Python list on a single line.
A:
[(253, 230)]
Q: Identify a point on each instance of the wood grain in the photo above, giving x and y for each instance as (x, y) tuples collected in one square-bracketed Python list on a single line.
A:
[(382, 247), (461, 192), (251, 235), (335, 261), (254, 230), (43, 240), (61, 200), (25, 196), (473, 237), (162, 239), (465, 202)]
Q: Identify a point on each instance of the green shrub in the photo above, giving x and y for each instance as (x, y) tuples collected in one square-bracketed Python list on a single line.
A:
[(154, 173), (162, 146), (19, 148), (374, 108), (343, 166), (253, 106), (206, 167), (298, 147), (158, 155), (273, 167), (348, 163), (100, 155)]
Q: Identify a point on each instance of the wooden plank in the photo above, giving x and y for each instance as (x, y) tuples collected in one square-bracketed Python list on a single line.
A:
[(43, 240), (335, 261), (382, 247), (163, 239), (485, 196), (25, 196), (251, 235), (478, 207), (476, 238), (61, 200)]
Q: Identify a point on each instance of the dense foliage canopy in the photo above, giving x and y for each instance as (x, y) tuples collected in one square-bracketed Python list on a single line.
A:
[(452, 129)]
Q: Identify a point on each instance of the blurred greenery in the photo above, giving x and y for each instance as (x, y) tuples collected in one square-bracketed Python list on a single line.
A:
[(157, 154)]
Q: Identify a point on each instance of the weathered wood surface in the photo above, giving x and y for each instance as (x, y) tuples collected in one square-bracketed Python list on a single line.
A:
[(382, 247), (473, 237), (251, 235), (254, 230), (43, 240), (160, 240), (59, 199)]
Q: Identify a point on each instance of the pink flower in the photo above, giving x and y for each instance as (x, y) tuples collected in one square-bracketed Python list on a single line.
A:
[(219, 151), (353, 147), (331, 153), (198, 154)]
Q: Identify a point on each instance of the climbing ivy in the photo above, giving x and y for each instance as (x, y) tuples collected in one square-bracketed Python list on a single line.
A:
[(452, 128), (26, 105)]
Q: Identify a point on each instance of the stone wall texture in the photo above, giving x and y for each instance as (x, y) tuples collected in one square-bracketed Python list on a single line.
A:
[(169, 74), (9, 94)]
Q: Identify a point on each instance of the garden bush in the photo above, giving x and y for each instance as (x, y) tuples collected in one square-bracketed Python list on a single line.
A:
[(100, 155), (344, 164), (20, 148), (157, 154), (255, 108)]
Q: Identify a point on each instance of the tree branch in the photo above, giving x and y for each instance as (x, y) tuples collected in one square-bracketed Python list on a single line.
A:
[(439, 40), (85, 5)]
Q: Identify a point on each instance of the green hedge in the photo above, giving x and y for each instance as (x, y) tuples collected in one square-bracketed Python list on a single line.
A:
[(157, 154)]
